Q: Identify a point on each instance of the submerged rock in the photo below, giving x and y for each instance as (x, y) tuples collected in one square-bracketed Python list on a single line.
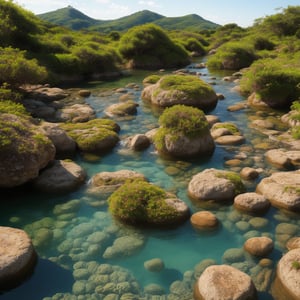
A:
[(259, 246), (204, 220), (251, 202), (154, 265), (224, 282), (17, 257)]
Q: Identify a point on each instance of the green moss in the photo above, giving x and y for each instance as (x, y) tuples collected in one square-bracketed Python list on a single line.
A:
[(10, 107), (139, 202), (296, 132), (235, 179), (96, 123), (296, 265), (229, 126), (191, 85), (151, 79), (180, 120)]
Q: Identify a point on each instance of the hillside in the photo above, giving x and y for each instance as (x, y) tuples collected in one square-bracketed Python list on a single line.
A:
[(188, 22), (76, 20), (69, 17)]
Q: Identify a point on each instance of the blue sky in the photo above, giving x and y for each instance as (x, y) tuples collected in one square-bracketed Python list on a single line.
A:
[(241, 12)]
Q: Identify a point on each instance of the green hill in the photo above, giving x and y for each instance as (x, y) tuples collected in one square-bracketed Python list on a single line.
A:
[(69, 17), (76, 20), (188, 22)]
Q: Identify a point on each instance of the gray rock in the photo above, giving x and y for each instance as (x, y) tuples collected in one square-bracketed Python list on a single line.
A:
[(61, 177), (154, 265)]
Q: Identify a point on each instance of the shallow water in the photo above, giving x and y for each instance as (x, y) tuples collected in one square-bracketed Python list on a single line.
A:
[(72, 233)]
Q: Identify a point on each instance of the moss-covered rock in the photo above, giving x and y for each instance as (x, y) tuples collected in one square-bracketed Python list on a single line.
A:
[(140, 202), (217, 185), (95, 136), (184, 132), (188, 90), (24, 150), (122, 109)]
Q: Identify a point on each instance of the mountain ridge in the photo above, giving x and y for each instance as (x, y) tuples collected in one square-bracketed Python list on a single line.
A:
[(74, 19)]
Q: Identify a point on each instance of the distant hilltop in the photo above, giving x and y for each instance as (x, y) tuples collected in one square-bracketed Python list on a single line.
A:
[(76, 20)]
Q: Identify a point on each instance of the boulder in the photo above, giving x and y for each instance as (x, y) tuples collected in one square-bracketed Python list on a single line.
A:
[(293, 243), (184, 133), (224, 282), (283, 159), (282, 189), (110, 181), (24, 150), (287, 283), (127, 108), (45, 93), (63, 143), (60, 177), (248, 173), (251, 202), (139, 142), (17, 257), (76, 113), (188, 90), (204, 220), (217, 185), (95, 136), (84, 93), (259, 246), (154, 265)]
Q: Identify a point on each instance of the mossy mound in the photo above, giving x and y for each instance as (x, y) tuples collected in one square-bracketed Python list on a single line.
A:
[(188, 90), (24, 150), (142, 203), (94, 136), (184, 132)]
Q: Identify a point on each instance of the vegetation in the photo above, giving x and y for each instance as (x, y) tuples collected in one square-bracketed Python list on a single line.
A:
[(74, 19), (235, 179), (296, 265), (148, 47), (10, 107), (232, 128), (139, 202), (180, 120)]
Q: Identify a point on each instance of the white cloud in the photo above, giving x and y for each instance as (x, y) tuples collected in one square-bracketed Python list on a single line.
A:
[(149, 3)]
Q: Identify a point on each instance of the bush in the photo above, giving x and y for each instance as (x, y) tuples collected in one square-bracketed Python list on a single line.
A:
[(16, 70), (10, 107), (139, 202), (151, 42), (232, 56), (273, 80)]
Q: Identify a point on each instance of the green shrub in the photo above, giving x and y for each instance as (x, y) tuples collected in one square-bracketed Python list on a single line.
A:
[(275, 80), (188, 120), (16, 70), (139, 202), (10, 107), (232, 56), (152, 43)]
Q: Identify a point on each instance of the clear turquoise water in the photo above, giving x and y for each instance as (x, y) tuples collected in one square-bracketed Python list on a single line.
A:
[(181, 249)]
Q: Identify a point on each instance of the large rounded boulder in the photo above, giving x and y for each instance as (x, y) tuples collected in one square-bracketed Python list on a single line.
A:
[(62, 176), (94, 136), (187, 90), (17, 257), (224, 282), (24, 150), (287, 283), (282, 189), (184, 132), (142, 203), (216, 185)]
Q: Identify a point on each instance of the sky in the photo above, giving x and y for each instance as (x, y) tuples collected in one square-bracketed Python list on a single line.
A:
[(241, 12)]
